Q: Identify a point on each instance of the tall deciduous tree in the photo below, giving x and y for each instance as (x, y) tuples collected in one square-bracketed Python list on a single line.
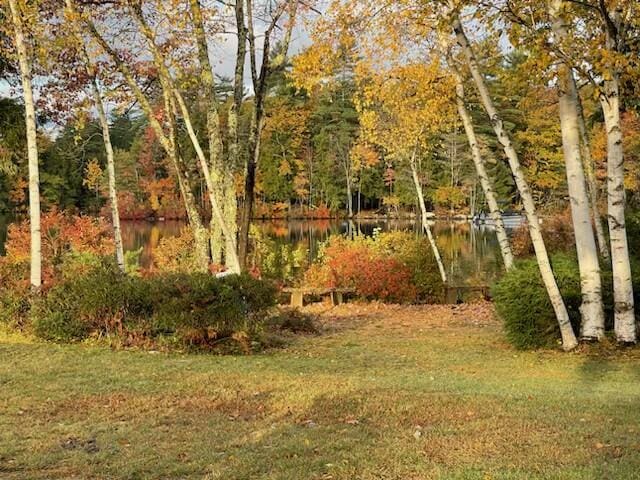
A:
[(25, 62), (569, 340), (592, 309), (166, 136), (92, 75), (481, 170), (273, 16), (404, 110), (616, 22)]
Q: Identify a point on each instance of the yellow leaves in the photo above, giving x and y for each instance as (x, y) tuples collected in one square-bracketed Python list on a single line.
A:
[(285, 168), (313, 66), (92, 175), (402, 108), (363, 156)]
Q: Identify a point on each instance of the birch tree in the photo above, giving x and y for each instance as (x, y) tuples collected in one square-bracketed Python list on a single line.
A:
[(485, 181), (231, 254), (404, 110), (616, 22), (592, 183), (592, 309), (569, 340), (166, 137), (92, 75), (25, 62)]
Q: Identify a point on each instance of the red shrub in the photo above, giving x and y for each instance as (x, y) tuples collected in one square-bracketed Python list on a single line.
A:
[(61, 234), (354, 264)]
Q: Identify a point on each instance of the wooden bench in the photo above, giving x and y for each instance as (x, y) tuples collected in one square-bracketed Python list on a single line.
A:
[(298, 294), (454, 295)]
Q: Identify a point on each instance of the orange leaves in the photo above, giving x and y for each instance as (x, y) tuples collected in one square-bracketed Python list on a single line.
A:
[(61, 235), (356, 264), (363, 156)]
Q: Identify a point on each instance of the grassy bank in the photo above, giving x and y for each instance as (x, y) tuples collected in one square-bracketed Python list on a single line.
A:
[(384, 393)]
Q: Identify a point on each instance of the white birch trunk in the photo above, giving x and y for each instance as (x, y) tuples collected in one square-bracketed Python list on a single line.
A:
[(591, 309), (167, 140), (111, 173), (106, 138), (501, 232), (624, 318), (425, 221), (592, 184), (32, 146), (569, 340)]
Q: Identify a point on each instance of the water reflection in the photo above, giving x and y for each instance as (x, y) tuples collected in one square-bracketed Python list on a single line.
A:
[(470, 252)]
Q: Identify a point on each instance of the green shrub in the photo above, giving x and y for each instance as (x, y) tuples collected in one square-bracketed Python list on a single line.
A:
[(14, 307), (190, 309), (523, 304), (96, 303)]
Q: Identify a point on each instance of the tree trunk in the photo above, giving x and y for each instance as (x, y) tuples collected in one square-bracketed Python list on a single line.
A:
[(496, 215), (425, 221), (592, 184), (231, 254), (106, 139), (349, 195), (591, 309), (624, 318), (111, 169), (220, 170), (200, 233), (167, 141), (259, 80), (569, 340), (32, 146)]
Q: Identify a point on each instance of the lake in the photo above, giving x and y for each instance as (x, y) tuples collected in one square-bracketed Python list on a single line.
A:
[(470, 252)]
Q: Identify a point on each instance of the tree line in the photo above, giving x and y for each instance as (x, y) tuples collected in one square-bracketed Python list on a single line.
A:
[(390, 95)]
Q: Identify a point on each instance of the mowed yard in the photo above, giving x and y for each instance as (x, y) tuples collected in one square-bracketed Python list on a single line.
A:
[(385, 392)]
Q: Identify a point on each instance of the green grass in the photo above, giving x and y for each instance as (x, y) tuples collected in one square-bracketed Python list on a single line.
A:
[(384, 393)]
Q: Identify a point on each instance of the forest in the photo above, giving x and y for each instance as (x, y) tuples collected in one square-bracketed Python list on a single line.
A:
[(516, 123)]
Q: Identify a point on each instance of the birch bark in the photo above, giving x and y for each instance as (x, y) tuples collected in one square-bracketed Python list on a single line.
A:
[(25, 64), (624, 318), (592, 184), (111, 169), (485, 182), (591, 309), (425, 220), (569, 340)]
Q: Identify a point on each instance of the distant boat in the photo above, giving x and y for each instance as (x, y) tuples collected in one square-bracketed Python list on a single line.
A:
[(511, 220)]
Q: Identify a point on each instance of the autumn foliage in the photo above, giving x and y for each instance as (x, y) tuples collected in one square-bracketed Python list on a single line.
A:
[(392, 267), (65, 238)]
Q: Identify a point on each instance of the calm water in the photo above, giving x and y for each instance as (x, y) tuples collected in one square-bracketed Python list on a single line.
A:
[(470, 252)]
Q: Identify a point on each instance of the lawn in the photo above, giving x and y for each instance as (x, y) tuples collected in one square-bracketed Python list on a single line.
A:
[(385, 392)]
